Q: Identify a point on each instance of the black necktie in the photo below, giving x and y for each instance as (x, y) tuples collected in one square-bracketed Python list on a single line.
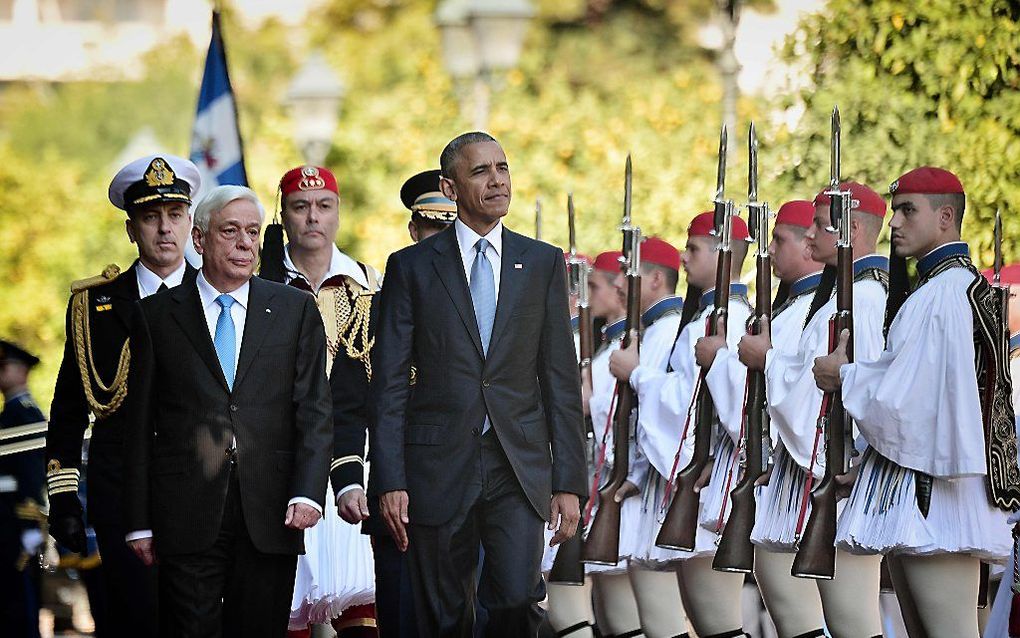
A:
[(162, 288)]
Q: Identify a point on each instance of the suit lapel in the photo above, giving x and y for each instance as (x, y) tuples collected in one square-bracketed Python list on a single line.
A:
[(450, 268), (257, 322), (511, 281), (190, 316), (190, 274), (125, 289)]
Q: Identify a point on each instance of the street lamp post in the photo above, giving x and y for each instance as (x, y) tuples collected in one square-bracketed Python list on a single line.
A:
[(480, 39), (313, 100)]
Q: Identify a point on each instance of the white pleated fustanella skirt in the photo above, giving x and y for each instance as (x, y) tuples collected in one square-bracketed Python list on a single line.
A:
[(337, 570)]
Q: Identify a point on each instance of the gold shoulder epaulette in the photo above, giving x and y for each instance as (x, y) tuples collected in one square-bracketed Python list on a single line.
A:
[(82, 336), (109, 274)]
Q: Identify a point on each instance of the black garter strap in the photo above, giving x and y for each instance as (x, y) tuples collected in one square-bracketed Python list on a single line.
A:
[(584, 624)]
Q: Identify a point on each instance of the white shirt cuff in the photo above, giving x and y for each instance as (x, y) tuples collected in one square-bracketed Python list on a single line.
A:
[(138, 535), (352, 486), (635, 377), (307, 501)]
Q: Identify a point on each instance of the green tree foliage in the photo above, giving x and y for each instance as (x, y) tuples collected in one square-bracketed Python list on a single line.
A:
[(50, 230), (917, 83)]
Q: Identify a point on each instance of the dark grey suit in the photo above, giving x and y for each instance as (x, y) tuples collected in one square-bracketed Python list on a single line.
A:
[(426, 438), (215, 518)]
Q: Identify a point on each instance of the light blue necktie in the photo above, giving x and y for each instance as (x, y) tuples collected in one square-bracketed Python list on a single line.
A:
[(483, 296), (226, 339), (483, 293)]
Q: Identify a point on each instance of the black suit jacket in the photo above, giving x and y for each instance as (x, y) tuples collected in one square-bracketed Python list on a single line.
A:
[(182, 418), (424, 436), (110, 306)]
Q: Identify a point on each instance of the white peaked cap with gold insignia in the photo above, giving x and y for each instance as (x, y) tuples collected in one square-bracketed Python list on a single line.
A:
[(154, 178)]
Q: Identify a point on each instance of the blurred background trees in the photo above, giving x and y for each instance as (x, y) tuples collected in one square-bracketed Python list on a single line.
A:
[(934, 82)]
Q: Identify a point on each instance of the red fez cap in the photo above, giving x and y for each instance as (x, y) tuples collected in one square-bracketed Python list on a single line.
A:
[(798, 212), (928, 180), (704, 224), (609, 261), (308, 178), (582, 256), (1010, 275), (660, 252), (862, 198)]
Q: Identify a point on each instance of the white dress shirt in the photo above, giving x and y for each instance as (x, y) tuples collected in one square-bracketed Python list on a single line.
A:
[(339, 264), (238, 312), (466, 240), (149, 282)]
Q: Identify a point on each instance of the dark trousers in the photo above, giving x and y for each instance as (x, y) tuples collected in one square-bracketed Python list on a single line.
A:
[(129, 586), (394, 600), (444, 559), (19, 599), (231, 589)]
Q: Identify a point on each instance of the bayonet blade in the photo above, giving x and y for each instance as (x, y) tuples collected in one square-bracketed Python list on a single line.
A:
[(627, 176), (752, 165), (834, 142), (997, 266), (720, 176), (538, 218), (570, 225)]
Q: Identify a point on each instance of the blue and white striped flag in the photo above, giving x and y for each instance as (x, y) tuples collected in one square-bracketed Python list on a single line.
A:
[(216, 138)]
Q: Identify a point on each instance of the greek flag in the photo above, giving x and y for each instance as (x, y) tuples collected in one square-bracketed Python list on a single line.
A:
[(216, 139)]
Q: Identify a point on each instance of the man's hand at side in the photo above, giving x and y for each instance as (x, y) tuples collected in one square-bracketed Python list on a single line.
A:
[(352, 506), (564, 513), (623, 362), (143, 549), (394, 513), (301, 516)]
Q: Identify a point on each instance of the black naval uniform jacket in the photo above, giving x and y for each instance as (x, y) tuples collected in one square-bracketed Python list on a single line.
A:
[(349, 386), (21, 481), (110, 306)]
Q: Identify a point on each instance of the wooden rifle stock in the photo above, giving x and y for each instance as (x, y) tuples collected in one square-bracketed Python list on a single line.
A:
[(603, 543), (567, 567), (680, 526), (816, 554), (736, 552)]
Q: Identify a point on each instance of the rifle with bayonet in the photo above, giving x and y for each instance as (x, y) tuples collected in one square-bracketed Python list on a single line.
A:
[(603, 543), (816, 551), (567, 568), (736, 552), (680, 526)]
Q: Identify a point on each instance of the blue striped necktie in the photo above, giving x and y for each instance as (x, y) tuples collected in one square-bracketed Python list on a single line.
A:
[(226, 339), (483, 296), (483, 292)]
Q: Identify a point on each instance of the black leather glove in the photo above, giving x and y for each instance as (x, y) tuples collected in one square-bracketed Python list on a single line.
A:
[(66, 523)]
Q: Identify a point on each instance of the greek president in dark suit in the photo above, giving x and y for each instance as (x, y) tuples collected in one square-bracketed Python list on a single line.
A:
[(487, 444), (230, 432)]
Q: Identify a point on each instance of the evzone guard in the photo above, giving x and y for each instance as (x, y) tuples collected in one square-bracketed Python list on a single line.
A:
[(940, 474), (327, 590)]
